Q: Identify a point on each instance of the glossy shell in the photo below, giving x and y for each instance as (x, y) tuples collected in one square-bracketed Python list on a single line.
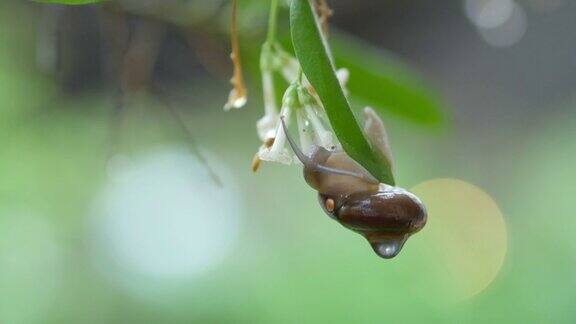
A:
[(386, 218)]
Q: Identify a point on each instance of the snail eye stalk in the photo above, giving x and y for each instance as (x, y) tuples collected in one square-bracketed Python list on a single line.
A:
[(309, 164)]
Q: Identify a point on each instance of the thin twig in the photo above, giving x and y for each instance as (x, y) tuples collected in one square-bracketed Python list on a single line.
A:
[(179, 119), (272, 22), (116, 122), (239, 93)]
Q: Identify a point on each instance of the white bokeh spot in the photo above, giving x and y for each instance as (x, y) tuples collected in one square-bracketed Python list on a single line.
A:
[(162, 217)]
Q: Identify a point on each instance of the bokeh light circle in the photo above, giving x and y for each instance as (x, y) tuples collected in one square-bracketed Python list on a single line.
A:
[(162, 218), (501, 23), (466, 233), (510, 32), (489, 13)]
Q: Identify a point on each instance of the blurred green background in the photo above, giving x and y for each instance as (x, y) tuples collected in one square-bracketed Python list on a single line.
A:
[(104, 224)]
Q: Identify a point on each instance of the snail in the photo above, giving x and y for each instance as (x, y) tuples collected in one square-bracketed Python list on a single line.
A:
[(385, 215)]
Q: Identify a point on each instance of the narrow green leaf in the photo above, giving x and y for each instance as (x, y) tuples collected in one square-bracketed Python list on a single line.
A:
[(312, 52)]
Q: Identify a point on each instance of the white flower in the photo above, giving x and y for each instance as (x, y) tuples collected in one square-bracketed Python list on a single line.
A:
[(299, 101), (278, 151), (323, 136), (313, 127), (305, 131), (314, 116), (266, 125)]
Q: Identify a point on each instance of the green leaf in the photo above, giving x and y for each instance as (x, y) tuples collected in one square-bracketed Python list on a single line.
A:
[(383, 81), (69, 2), (313, 53)]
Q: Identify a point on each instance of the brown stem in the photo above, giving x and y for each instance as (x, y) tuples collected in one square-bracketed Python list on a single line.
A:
[(239, 93), (133, 55), (141, 55)]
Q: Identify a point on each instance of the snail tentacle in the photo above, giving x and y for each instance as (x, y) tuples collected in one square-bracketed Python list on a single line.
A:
[(308, 163)]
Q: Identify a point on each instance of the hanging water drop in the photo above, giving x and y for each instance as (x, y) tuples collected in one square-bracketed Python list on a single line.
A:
[(388, 248)]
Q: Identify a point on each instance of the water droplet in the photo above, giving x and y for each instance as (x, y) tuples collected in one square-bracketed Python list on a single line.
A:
[(389, 247)]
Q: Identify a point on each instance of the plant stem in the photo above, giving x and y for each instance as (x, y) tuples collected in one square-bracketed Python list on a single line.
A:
[(238, 95), (272, 22), (300, 76)]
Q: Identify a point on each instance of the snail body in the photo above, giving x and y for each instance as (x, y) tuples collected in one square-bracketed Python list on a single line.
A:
[(385, 215)]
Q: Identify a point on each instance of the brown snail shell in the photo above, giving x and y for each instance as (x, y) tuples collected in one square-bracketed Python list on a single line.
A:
[(386, 218)]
